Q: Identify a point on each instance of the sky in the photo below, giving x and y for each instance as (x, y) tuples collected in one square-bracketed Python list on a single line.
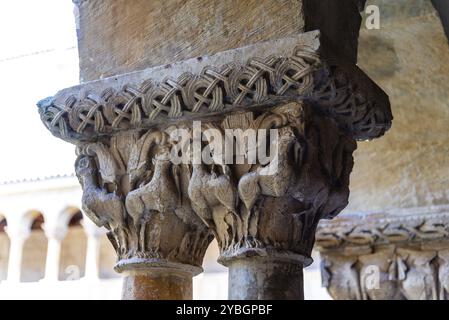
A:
[(38, 57)]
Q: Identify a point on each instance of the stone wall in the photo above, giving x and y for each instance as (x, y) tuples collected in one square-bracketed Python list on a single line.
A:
[(409, 58)]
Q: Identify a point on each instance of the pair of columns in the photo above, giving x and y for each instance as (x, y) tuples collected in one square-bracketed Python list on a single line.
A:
[(55, 235), (161, 205), (162, 215)]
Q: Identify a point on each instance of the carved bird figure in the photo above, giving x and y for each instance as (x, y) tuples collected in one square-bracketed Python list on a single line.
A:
[(140, 151), (207, 192), (159, 195), (271, 180), (341, 278), (418, 277), (102, 207)]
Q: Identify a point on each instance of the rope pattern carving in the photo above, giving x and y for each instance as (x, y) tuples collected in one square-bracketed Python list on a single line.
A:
[(384, 231), (340, 99), (214, 90)]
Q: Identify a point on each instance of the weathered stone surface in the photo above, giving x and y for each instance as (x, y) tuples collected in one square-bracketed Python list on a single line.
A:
[(161, 214), (143, 206), (116, 37), (157, 285), (265, 279), (398, 10), (268, 73), (409, 58), (390, 256), (399, 254), (279, 211), (121, 36)]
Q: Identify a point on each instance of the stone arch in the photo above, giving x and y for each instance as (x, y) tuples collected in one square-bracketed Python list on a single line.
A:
[(4, 247), (34, 248), (73, 246)]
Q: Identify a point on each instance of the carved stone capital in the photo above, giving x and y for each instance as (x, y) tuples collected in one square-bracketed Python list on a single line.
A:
[(278, 206), (131, 188), (257, 76), (161, 213), (388, 256)]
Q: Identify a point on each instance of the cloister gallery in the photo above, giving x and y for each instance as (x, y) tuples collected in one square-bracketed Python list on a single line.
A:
[(346, 102)]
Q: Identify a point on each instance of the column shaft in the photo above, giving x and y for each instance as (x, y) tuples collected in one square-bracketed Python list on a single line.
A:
[(15, 258), (265, 279), (157, 285), (93, 258), (161, 213), (52, 261)]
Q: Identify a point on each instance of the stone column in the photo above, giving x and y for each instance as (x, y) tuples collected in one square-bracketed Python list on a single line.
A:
[(154, 284), (279, 211), (398, 255), (161, 214), (55, 235), (265, 278), (404, 251), (92, 269), (17, 237)]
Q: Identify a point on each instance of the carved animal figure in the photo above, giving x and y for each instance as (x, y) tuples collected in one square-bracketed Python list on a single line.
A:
[(159, 195), (208, 192), (272, 180), (103, 208), (378, 276), (341, 278), (140, 152), (106, 164), (417, 276)]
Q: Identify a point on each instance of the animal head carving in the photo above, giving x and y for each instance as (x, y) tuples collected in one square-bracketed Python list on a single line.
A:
[(85, 166)]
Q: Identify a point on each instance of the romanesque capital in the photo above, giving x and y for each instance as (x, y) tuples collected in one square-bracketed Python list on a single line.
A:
[(158, 210), (386, 256), (131, 188), (275, 208)]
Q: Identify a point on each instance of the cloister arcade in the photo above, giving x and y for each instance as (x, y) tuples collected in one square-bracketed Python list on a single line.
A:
[(56, 252), (50, 242), (327, 80)]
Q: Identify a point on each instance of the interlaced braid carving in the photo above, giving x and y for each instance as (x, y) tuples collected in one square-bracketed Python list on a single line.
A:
[(208, 90), (340, 99), (88, 112), (295, 77), (389, 230), (296, 72), (124, 109)]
